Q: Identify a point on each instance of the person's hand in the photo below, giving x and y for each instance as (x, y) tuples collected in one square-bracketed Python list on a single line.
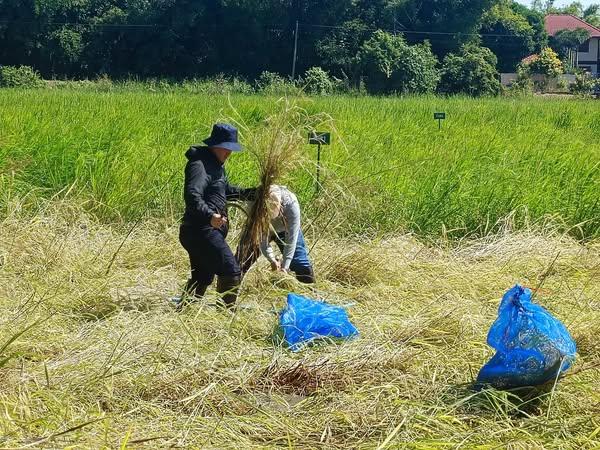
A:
[(275, 266), (217, 221)]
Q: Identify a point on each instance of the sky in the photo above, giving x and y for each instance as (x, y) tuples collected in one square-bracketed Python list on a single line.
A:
[(585, 3)]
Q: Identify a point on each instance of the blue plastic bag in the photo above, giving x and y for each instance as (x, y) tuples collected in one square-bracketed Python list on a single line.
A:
[(532, 346), (303, 320)]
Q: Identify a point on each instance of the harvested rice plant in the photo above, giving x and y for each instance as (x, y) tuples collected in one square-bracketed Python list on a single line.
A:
[(418, 232)]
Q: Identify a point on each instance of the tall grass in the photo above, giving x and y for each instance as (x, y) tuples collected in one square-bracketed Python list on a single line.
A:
[(122, 154), (97, 358)]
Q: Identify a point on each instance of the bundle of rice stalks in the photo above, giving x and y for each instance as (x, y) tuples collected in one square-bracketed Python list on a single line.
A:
[(276, 145)]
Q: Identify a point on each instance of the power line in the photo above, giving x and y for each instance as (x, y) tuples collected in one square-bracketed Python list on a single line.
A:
[(307, 25), (87, 24), (442, 33)]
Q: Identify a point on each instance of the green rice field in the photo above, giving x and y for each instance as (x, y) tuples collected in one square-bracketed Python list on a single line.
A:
[(122, 155)]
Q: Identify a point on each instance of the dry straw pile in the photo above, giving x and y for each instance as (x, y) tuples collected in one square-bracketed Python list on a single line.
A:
[(102, 360)]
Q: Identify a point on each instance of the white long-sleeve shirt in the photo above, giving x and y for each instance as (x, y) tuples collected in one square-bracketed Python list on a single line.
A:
[(287, 221)]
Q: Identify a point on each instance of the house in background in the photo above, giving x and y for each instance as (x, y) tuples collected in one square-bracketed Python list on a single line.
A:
[(587, 56)]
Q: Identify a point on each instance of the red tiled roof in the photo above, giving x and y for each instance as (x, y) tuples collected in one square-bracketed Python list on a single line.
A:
[(557, 22)]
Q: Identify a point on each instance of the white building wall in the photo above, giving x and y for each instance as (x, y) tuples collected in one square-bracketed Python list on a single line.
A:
[(590, 58)]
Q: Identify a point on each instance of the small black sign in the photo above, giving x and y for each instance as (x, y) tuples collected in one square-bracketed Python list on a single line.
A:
[(439, 116), (319, 137)]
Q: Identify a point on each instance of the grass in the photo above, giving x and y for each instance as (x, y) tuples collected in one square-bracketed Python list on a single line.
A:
[(420, 232), (104, 361), (122, 155)]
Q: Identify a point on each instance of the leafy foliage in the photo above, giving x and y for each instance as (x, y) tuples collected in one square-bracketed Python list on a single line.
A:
[(566, 40), (240, 39), (510, 34), (584, 84), (546, 63), (22, 76), (317, 81), (459, 18), (392, 65), (197, 39), (339, 49), (472, 71), (592, 15)]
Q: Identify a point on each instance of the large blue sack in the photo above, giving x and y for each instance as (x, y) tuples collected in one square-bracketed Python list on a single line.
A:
[(532, 346), (303, 320)]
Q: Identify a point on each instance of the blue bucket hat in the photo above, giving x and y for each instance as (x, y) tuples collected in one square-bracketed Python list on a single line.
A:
[(225, 136)]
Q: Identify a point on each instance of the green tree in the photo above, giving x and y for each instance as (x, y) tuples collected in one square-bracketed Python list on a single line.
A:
[(192, 38), (472, 71), (18, 43), (575, 8), (391, 65), (589, 14), (542, 6), (334, 30), (64, 48), (592, 15), (330, 33), (508, 34), (537, 22), (339, 49), (459, 19), (566, 40)]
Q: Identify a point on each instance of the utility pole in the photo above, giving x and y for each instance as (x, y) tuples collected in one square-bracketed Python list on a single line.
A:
[(295, 51)]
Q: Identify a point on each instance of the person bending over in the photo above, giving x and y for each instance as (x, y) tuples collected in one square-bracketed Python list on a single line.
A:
[(286, 232)]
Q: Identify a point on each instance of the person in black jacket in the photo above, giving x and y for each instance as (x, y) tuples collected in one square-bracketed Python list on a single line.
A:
[(204, 226)]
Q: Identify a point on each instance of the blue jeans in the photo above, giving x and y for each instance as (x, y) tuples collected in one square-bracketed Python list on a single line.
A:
[(300, 264)]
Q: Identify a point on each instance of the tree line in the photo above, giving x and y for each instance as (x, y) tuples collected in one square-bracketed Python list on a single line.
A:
[(201, 38)]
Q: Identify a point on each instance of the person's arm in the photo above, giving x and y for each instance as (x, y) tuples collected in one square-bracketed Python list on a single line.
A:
[(196, 180), (238, 193), (267, 251), (291, 215)]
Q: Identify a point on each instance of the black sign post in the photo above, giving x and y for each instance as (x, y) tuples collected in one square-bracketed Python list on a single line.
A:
[(319, 138), (439, 116)]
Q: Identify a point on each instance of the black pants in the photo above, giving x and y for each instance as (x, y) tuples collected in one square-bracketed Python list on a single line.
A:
[(209, 253)]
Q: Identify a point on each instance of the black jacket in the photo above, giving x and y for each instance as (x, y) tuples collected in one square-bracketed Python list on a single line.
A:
[(206, 189)]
